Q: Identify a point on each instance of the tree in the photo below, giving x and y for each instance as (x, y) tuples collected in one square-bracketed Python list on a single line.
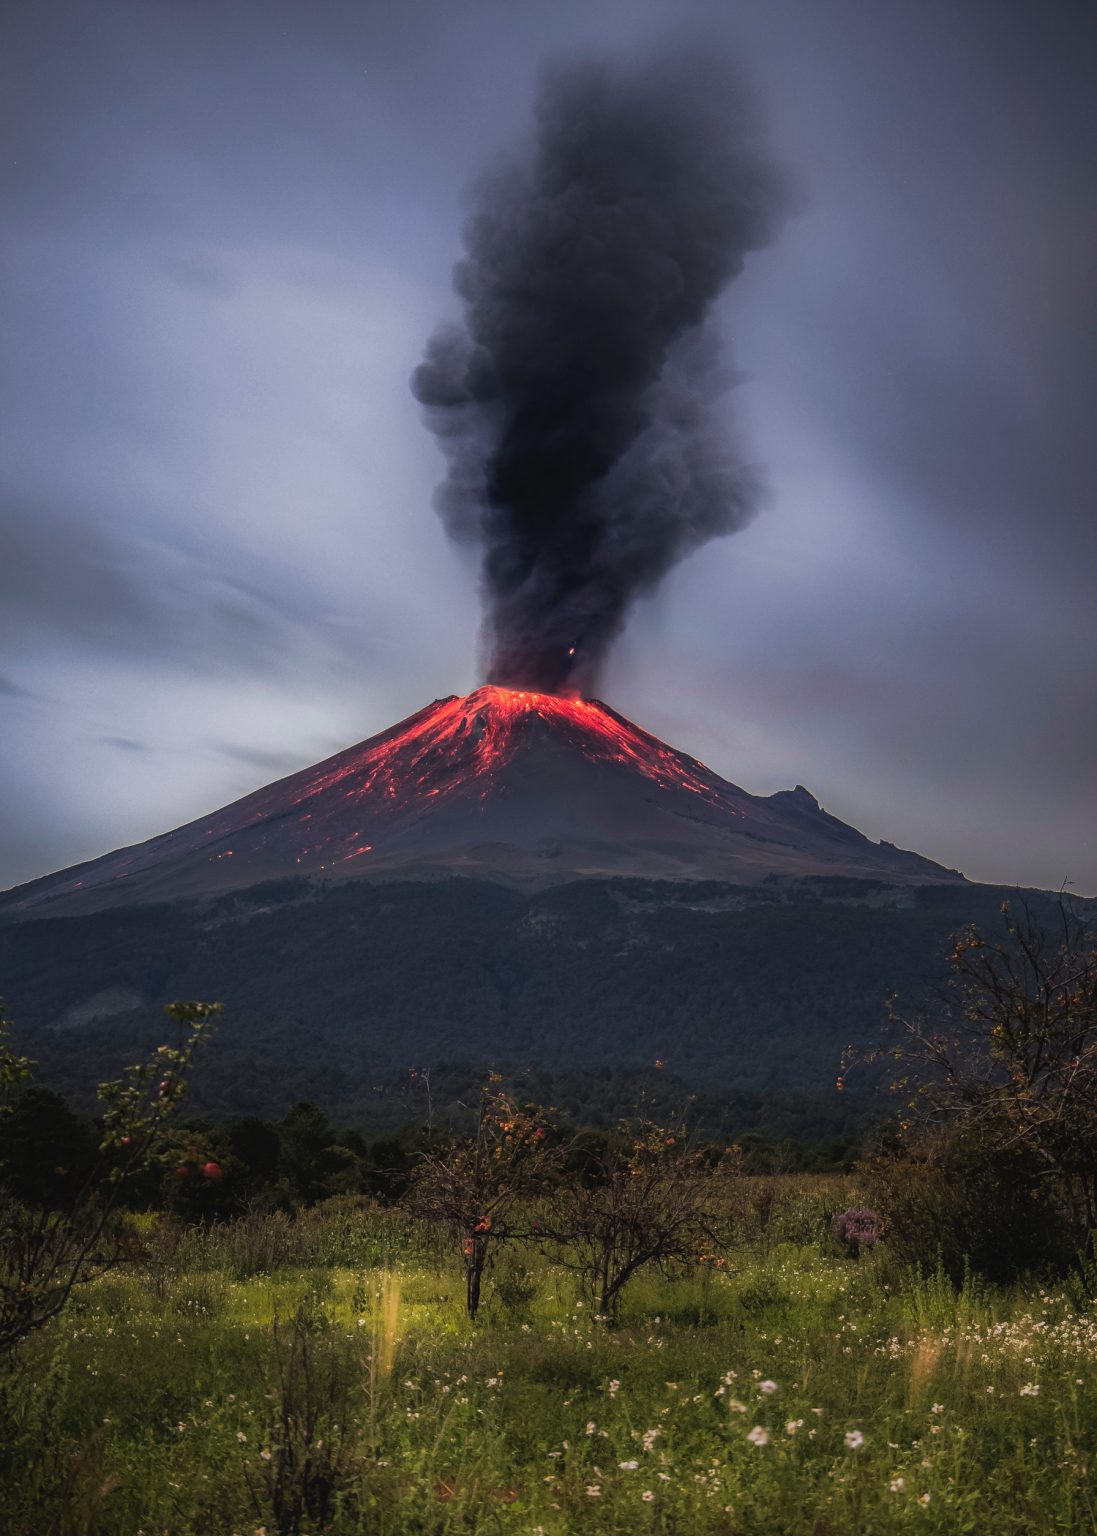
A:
[(45, 1149), (645, 1198), (478, 1184), (45, 1252), (1003, 1061)]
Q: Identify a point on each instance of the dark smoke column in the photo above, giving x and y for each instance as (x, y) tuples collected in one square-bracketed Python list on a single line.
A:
[(574, 403)]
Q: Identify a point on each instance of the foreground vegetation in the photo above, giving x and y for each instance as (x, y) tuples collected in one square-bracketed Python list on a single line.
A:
[(539, 1328), (317, 1373)]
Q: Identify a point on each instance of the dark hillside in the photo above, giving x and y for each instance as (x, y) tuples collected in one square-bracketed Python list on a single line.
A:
[(332, 992)]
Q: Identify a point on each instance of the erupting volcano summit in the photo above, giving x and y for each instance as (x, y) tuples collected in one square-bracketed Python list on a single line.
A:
[(522, 787)]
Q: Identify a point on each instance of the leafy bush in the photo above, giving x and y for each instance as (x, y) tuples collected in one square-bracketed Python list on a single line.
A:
[(947, 1202)]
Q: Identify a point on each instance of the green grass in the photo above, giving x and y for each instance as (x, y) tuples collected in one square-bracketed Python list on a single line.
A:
[(195, 1395)]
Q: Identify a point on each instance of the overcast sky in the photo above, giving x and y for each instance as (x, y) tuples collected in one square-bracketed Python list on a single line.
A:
[(228, 230)]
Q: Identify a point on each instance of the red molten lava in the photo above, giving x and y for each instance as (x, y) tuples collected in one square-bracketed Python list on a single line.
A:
[(463, 742)]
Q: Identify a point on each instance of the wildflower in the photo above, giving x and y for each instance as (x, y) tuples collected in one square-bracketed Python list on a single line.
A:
[(1030, 1389), (897, 1484), (857, 1228), (647, 1495), (767, 1388), (591, 1427), (240, 1435), (594, 1492), (758, 1435), (736, 1406), (854, 1440), (793, 1425), (264, 1455), (649, 1437), (937, 1408), (628, 1466), (614, 1388), (923, 1499)]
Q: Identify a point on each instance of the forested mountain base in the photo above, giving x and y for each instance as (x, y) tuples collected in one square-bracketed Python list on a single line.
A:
[(335, 993)]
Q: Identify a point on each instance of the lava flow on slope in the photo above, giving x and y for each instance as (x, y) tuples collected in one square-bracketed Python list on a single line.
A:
[(464, 743), (500, 783)]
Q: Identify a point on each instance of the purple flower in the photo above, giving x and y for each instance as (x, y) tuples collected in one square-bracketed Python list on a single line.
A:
[(858, 1228)]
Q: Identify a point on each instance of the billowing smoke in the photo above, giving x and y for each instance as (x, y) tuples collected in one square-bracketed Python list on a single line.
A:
[(575, 402)]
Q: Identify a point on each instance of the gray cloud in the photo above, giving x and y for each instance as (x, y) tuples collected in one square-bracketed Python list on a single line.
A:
[(63, 576), (276, 764), (124, 743), (227, 230)]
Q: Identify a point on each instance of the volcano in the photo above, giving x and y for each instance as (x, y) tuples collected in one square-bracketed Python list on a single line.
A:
[(521, 787)]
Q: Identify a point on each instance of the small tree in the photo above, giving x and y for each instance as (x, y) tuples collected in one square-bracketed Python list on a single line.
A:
[(1003, 1061), (478, 1184), (646, 1198), (46, 1252)]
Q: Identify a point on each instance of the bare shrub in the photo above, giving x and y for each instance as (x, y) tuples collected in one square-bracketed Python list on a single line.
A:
[(647, 1199)]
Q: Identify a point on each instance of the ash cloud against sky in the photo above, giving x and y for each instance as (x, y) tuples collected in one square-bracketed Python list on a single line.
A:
[(226, 231), (575, 403)]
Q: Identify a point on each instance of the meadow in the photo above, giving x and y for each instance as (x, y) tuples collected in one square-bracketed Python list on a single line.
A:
[(283, 1374)]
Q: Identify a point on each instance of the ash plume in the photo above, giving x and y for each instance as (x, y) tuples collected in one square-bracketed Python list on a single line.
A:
[(575, 401)]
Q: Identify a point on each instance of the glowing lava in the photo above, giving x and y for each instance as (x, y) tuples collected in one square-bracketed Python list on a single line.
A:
[(459, 743)]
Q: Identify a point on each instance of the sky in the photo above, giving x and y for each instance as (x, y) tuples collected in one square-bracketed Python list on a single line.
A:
[(228, 232)]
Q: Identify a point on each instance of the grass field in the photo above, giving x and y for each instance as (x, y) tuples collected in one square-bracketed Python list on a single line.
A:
[(279, 1376)]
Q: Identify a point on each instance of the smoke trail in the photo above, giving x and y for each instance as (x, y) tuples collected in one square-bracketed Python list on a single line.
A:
[(575, 402)]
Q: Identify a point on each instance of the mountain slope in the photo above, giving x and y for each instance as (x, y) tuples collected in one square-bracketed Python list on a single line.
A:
[(526, 787)]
